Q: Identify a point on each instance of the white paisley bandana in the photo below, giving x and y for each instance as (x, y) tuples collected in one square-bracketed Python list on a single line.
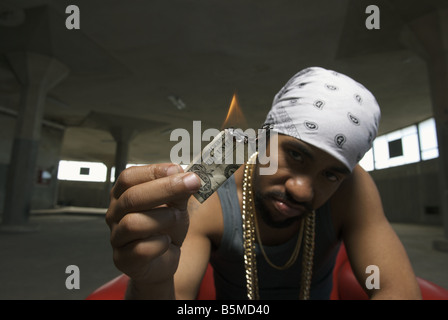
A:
[(328, 110)]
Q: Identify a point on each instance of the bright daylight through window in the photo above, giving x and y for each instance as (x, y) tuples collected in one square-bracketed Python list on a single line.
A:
[(408, 145)]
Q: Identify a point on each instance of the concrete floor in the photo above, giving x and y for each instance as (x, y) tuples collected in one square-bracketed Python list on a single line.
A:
[(33, 264), (427, 262)]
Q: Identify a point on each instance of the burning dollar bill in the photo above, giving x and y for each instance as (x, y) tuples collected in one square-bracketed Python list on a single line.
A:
[(220, 159)]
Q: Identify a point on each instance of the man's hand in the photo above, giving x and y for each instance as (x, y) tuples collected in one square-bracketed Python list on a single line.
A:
[(148, 220)]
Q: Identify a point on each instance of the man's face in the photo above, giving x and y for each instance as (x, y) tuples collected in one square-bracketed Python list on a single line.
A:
[(306, 178)]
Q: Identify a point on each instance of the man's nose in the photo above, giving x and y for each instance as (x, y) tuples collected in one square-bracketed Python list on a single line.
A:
[(301, 188)]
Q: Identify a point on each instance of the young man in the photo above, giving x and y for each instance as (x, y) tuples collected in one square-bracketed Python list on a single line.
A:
[(268, 236)]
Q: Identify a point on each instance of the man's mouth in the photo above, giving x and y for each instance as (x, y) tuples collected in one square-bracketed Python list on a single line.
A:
[(289, 209)]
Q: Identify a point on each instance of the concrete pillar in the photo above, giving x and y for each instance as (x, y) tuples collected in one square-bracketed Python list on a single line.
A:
[(123, 136), (431, 31), (107, 185), (37, 74)]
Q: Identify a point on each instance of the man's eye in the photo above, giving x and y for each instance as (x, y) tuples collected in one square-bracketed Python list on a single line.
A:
[(295, 155), (331, 176)]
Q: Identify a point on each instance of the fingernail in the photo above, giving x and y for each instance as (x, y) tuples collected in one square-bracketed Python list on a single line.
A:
[(173, 170), (192, 181)]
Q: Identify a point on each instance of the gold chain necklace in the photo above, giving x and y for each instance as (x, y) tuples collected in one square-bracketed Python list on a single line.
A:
[(251, 230), (294, 254)]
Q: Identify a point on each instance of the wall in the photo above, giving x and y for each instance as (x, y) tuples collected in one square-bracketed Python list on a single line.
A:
[(83, 194), (410, 193), (48, 193), (45, 190), (7, 126)]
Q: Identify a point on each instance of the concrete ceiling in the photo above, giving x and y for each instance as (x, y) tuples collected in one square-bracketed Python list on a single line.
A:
[(129, 56)]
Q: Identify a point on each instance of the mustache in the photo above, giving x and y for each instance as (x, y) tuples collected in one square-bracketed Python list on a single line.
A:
[(287, 198)]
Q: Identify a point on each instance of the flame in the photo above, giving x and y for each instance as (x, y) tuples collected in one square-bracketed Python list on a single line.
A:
[(235, 117)]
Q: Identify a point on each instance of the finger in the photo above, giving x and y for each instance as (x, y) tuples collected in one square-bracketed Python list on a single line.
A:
[(135, 226), (139, 258), (174, 191), (139, 174), (180, 228)]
